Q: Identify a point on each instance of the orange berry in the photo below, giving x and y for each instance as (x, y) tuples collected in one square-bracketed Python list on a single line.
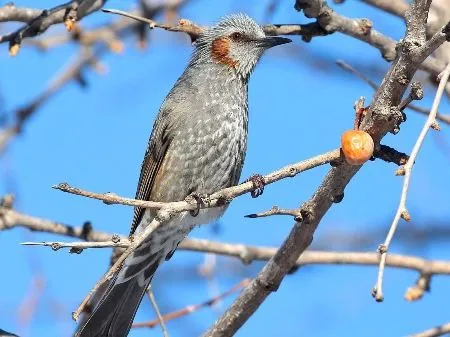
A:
[(357, 146)]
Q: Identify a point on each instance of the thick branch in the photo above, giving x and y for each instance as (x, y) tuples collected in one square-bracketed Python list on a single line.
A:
[(380, 119), (248, 254), (360, 29), (396, 7)]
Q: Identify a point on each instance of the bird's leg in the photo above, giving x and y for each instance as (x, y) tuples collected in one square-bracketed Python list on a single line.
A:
[(258, 185), (199, 199)]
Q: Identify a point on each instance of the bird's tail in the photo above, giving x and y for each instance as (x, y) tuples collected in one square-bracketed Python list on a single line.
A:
[(115, 306), (114, 314)]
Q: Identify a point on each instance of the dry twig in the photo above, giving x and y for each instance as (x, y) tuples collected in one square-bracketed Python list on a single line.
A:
[(193, 308), (379, 120), (158, 313), (402, 211), (434, 332)]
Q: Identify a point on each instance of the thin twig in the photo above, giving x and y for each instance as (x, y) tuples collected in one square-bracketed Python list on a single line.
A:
[(158, 313), (215, 199), (162, 217), (193, 308), (402, 211), (345, 66), (434, 332), (56, 245), (275, 210)]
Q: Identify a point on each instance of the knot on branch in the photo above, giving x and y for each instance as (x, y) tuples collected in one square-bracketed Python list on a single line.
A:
[(365, 26), (246, 256), (395, 118), (337, 198), (7, 201), (115, 238), (446, 31), (416, 92), (76, 250), (410, 46), (268, 284), (307, 213), (382, 249)]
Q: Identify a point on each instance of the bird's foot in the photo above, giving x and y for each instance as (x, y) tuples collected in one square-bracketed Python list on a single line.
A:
[(258, 185), (200, 201)]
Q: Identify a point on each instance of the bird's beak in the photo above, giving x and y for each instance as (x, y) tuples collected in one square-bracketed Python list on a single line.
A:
[(272, 41)]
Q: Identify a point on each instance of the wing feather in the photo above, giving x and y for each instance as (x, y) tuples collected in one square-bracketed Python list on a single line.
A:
[(156, 150)]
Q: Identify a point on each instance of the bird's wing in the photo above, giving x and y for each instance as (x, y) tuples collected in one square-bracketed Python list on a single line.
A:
[(156, 150)]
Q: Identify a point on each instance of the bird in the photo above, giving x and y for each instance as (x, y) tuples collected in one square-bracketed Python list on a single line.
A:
[(197, 146)]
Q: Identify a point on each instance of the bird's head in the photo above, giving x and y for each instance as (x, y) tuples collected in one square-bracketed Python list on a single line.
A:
[(236, 42)]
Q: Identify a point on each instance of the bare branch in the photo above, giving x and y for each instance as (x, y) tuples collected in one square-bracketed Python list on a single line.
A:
[(434, 332), (38, 21), (215, 199), (373, 85), (193, 308), (379, 120), (275, 210), (417, 291), (402, 211), (158, 313), (396, 7)]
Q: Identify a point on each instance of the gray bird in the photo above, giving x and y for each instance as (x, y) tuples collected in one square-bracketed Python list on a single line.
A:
[(197, 146)]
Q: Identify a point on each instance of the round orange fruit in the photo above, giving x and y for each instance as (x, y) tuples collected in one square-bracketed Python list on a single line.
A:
[(357, 146)]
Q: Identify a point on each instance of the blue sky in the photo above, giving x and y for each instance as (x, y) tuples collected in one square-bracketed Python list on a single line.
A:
[(95, 138)]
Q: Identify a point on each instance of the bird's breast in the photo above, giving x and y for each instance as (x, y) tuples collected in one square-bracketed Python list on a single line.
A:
[(208, 147)]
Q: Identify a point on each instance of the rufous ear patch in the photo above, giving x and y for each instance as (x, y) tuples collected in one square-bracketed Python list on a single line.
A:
[(220, 49)]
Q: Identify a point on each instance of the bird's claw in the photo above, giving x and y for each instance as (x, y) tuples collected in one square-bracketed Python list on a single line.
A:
[(258, 185), (199, 201)]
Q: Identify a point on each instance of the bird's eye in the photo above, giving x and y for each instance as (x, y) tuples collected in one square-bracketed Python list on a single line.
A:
[(236, 36)]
